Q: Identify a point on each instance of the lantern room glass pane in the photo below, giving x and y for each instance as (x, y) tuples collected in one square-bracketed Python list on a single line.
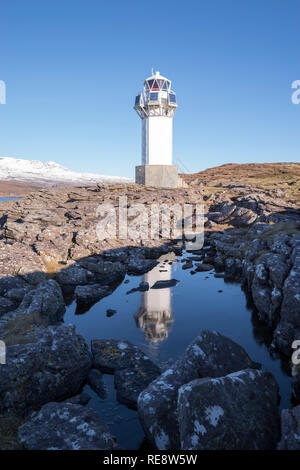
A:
[(150, 84), (137, 100), (172, 98), (153, 97)]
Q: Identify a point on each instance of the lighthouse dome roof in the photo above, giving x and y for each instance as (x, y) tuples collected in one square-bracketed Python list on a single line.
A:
[(157, 75)]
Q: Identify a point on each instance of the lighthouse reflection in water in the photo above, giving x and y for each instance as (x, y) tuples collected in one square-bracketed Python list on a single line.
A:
[(154, 316)]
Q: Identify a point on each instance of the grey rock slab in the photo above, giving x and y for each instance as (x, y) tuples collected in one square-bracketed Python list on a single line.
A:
[(66, 426), (235, 412), (209, 355)]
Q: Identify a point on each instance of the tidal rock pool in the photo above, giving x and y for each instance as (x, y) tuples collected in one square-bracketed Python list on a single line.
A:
[(163, 321)]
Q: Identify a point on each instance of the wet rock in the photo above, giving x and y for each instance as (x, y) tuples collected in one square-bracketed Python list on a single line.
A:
[(96, 382), (110, 355), (163, 284), (91, 293), (46, 301), (137, 265), (187, 265), (233, 268), (51, 367), (235, 412), (202, 267), (73, 275), (144, 286), (132, 368), (110, 312), (209, 355), (103, 271), (131, 382), (65, 426), (290, 429)]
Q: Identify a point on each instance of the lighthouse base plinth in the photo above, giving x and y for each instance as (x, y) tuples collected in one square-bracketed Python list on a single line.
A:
[(160, 176)]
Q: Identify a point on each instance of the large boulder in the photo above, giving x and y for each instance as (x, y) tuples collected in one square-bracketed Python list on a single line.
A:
[(290, 429), (46, 301), (73, 275), (43, 305), (235, 412), (51, 367), (209, 355), (132, 368), (91, 293), (65, 426)]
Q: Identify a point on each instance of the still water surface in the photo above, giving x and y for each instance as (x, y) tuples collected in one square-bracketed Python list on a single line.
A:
[(163, 322), (3, 199)]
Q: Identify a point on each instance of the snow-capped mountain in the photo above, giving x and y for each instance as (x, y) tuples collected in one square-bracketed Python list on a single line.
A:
[(49, 173)]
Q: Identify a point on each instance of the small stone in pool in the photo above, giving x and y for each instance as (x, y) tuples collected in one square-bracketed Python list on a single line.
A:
[(110, 312)]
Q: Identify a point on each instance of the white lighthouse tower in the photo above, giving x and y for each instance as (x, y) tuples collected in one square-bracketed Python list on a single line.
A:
[(156, 106)]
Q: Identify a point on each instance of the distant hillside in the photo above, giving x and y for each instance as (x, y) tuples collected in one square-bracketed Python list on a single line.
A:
[(50, 173), (267, 176)]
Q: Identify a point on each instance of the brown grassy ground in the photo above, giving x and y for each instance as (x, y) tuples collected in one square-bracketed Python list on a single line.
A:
[(265, 176), (15, 189)]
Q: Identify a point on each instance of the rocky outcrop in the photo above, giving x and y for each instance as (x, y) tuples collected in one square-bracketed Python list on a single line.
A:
[(133, 370), (290, 429), (210, 355), (65, 426), (51, 367), (91, 293), (235, 412), (267, 263)]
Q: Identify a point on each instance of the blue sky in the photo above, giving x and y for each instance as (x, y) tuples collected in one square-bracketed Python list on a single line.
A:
[(72, 69)]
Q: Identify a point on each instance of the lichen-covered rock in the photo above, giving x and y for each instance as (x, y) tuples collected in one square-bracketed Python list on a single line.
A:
[(110, 355), (139, 265), (290, 429), (209, 355), (233, 268), (91, 293), (73, 275), (132, 368), (46, 301), (235, 412), (131, 382), (65, 426), (41, 305), (51, 367)]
